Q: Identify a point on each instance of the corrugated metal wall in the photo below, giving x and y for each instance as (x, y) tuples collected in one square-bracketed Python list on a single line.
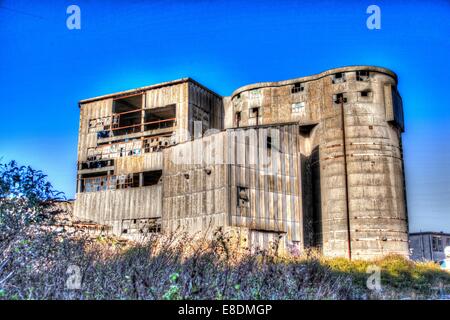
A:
[(105, 207), (274, 185), (194, 193), (199, 195)]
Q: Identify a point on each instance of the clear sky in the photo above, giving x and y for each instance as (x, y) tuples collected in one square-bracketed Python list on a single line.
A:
[(45, 69)]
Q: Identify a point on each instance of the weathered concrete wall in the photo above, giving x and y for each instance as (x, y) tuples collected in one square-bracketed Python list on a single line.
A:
[(271, 179), (375, 184), (133, 153), (205, 107), (195, 190), (111, 207), (204, 191)]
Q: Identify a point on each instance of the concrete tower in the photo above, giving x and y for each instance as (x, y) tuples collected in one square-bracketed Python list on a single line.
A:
[(350, 120)]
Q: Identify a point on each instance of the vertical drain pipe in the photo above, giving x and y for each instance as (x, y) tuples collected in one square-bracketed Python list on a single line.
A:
[(349, 239)]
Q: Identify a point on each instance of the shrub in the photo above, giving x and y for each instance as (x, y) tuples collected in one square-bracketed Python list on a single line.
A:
[(24, 195)]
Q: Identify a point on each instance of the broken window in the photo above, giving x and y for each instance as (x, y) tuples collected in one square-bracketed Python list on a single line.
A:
[(103, 134), (243, 196), (160, 118), (238, 118), (297, 107), (101, 182), (94, 164), (141, 226), (94, 182), (151, 177), (339, 98), (99, 124), (362, 75), (298, 87), (155, 144), (127, 115), (437, 244), (254, 112), (338, 77)]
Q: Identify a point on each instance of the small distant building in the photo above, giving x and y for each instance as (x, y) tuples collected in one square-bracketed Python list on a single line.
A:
[(428, 245)]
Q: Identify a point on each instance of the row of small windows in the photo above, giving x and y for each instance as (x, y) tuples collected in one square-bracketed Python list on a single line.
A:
[(339, 77), (361, 75), (342, 97), (298, 106)]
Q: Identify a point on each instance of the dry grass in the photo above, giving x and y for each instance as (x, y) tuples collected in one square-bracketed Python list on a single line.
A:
[(178, 266), (35, 257)]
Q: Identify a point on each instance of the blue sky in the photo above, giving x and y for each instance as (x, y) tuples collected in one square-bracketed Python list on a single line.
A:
[(45, 69)]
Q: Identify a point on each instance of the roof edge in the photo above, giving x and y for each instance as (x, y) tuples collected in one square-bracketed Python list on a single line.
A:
[(314, 77), (145, 88), (438, 233)]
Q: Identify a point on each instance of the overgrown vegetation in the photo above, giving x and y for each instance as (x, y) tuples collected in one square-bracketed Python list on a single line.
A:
[(38, 262)]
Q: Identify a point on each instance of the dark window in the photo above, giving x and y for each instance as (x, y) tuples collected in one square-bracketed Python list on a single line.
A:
[(338, 77), (238, 118), (339, 98), (151, 177), (298, 87), (365, 93), (362, 75), (243, 196), (254, 112), (437, 244), (269, 143)]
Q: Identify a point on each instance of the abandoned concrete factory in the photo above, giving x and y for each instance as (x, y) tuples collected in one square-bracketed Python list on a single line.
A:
[(312, 162)]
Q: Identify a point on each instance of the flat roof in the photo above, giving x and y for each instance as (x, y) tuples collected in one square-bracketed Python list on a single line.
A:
[(145, 88), (435, 233)]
